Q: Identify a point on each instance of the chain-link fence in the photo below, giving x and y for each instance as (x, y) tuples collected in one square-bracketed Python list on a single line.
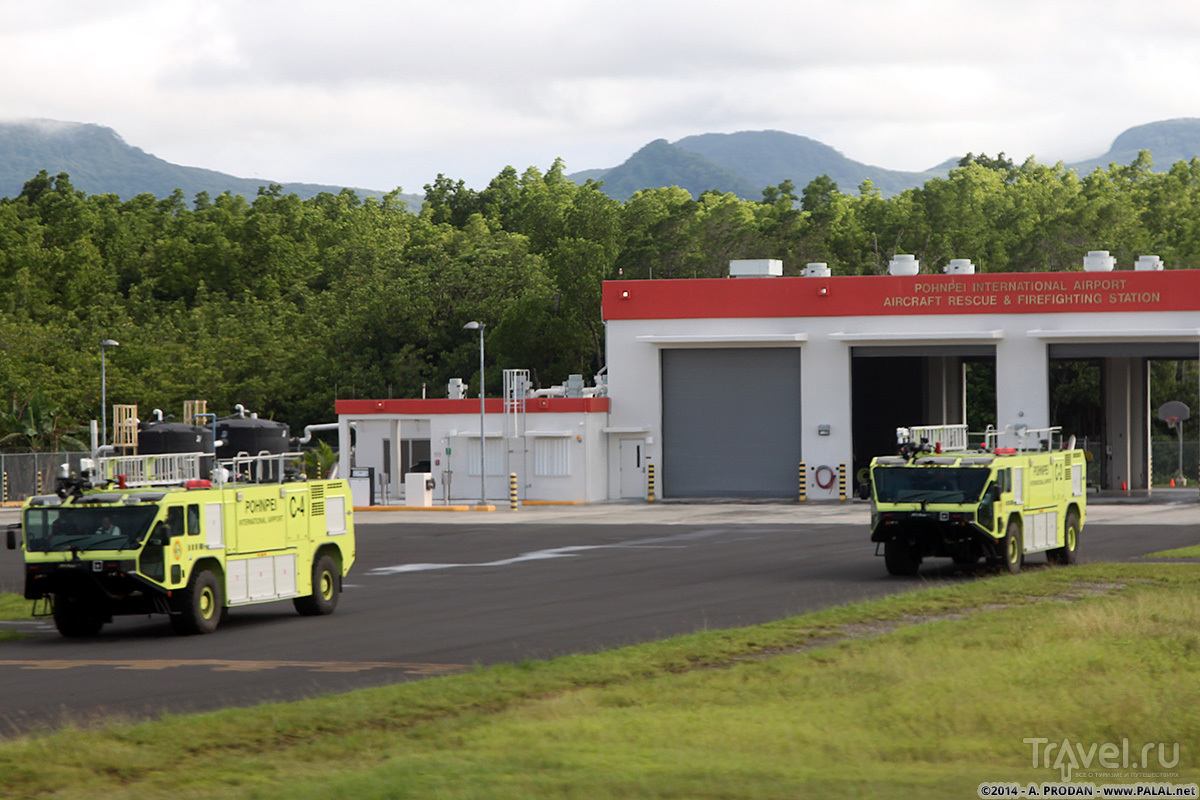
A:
[(1165, 457), (27, 474)]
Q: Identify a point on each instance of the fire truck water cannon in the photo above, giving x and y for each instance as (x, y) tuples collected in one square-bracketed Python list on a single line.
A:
[(910, 449)]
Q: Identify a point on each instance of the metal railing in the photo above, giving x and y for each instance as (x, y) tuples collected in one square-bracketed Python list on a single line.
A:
[(262, 468), (951, 437), (165, 469), (1023, 439)]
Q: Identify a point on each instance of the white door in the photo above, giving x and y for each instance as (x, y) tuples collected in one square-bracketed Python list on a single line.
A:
[(633, 468)]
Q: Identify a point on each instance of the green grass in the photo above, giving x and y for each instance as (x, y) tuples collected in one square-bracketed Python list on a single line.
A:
[(930, 708), (13, 607), (1179, 552)]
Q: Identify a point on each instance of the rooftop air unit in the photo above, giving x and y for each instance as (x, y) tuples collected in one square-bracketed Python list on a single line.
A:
[(1098, 261), (755, 268), (904, 265), (816, 269), (1148, 264), (959, 266)]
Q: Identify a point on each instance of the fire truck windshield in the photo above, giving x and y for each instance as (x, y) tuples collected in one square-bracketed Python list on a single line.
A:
[(65, 528), (929, 484)]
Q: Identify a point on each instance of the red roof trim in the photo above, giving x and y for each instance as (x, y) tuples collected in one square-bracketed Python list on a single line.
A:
[(884, 295), (492, 405)]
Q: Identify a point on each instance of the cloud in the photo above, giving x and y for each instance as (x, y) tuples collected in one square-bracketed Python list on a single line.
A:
[(383, 93)]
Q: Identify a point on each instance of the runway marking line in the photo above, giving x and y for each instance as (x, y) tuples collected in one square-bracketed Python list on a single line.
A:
[(223, 665)]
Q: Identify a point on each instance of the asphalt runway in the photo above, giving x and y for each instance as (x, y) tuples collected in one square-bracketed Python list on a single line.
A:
[(429, 598)]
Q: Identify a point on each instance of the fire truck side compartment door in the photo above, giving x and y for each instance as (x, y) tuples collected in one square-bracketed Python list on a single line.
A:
[(335, 515), (214, 525)]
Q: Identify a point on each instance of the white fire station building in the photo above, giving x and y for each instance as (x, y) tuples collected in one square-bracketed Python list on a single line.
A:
[(731, 387)]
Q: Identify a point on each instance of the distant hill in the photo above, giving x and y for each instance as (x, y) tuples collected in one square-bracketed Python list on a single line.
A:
[(1168, 141), (767, 158), (745, 163), (100, 162), (663, 164)]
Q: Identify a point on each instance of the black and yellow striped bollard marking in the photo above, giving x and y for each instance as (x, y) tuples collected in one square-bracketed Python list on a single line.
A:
[(803, 483), (650, 482), (512, 491), (842, 482)]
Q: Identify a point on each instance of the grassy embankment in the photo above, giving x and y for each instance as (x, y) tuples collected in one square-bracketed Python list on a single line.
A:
[(919, 695), (1179, 552)]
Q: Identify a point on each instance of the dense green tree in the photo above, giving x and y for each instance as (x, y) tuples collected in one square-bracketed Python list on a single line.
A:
[(285, 305)]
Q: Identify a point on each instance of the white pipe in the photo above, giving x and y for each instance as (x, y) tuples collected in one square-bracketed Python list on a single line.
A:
[(324, 426)]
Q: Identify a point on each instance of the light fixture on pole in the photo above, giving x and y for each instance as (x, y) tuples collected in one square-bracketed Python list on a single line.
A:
[(104, 391), (479, 326)]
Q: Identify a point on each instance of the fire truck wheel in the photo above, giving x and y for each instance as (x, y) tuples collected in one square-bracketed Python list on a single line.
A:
[(1066, 554), (76, 617), (198, 607), (324, 597), (899, 558), (1014, 551)]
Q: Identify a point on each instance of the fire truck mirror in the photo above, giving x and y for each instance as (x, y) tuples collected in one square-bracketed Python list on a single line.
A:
[(864, 491), (12, 537)]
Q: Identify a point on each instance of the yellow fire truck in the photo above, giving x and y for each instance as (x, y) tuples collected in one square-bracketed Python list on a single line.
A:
[(1019, 492), (147, 535)]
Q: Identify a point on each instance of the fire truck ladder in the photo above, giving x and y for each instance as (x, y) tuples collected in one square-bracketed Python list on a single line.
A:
[(165, 469)]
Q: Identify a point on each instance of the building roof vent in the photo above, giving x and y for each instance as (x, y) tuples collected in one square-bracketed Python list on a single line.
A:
[(816, 269), (904, 265), (1148, 264), (959, 266), (1098, 261), (755, 268)]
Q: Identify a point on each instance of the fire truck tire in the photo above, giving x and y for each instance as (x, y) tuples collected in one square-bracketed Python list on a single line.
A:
[(1067, 553), (324, 597), (1013, 548), (899, 558), (199, 606), (75, 617)]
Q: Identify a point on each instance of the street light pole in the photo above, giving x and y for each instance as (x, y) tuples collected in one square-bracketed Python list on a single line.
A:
[(104, 392), (479, 326)]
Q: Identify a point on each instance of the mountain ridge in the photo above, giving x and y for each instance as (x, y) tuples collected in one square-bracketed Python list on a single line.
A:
[(100, 161), (767, 158)]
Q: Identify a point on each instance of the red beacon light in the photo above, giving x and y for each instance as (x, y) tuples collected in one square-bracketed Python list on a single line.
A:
[(197, 484), (1005, 451)]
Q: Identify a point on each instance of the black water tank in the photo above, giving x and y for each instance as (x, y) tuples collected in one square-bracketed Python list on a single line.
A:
[(251, 436), (155, 438)]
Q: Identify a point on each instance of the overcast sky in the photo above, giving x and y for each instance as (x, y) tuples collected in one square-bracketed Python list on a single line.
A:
[(386, 94)]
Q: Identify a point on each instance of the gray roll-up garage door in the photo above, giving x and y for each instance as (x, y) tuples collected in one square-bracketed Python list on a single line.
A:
[(731, 422)]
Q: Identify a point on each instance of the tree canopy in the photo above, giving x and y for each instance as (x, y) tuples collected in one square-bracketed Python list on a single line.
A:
[(284, 304)]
